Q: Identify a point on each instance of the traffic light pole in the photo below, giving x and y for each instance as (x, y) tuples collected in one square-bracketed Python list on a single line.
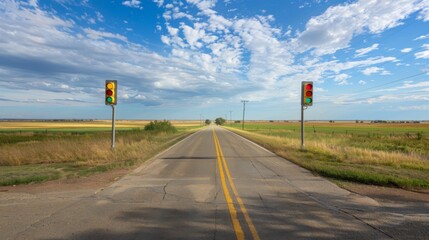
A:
[(302, 127), (113, 127), (306, 101)]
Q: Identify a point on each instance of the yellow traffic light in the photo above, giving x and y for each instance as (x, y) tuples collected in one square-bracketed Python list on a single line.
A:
[(110, 92)]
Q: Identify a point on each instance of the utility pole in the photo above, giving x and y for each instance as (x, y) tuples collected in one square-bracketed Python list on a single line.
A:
[(230, 116), (244, 110)]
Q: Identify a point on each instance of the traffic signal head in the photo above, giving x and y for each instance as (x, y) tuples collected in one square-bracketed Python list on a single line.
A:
[(307, 94), (110, 92)]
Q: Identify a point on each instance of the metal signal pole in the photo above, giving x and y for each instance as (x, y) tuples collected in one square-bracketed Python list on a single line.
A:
[(113, 126), (244, 110), (302, 126)]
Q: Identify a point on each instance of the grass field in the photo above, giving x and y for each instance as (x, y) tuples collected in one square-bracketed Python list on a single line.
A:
[(40, 151), (381, 154), (77, 126)]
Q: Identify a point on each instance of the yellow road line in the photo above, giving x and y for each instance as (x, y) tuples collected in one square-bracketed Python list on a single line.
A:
[(232, 212), (249, 222)]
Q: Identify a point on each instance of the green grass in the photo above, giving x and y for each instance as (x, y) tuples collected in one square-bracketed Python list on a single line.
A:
[(388, 155)]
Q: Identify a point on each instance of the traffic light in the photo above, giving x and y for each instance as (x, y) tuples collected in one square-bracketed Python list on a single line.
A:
[(307, 94), (110, 93)]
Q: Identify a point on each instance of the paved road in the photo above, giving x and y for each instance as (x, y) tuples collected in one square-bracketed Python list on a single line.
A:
[(212, 185)]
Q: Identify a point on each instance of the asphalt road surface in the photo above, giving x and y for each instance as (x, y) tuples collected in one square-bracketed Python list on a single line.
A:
[(212, 185)]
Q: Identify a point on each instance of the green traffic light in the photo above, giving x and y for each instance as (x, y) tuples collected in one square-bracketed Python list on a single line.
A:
[(109, 99), (308, 100)]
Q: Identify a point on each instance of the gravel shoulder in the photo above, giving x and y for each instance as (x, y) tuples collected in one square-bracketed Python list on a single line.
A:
[(387, 194)]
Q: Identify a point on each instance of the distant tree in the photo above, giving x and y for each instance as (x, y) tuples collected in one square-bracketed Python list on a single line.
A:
[(220, 121), (208, 122)]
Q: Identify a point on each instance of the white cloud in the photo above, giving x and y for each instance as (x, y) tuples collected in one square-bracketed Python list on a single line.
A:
[(363, 51), (406, 50), (100, 16), (341, 79), (133, 4), (193, 35), (159, 2), (424, 13), (373, 70), (335, 28), (423, 54), (362, 82), (422, 37), (96, 35), (33, 3)]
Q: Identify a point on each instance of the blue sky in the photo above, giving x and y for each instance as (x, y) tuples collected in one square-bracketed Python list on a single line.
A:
[(187, 59)]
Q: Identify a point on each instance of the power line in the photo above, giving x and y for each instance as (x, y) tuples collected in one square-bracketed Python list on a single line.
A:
[(394, 81)]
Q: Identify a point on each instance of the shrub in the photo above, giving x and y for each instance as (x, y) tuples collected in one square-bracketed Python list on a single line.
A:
[(160, 126)]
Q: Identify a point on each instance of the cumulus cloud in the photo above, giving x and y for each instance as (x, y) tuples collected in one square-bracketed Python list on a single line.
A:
[(133, 4), (335, 28), (205, 54), (40, 44)]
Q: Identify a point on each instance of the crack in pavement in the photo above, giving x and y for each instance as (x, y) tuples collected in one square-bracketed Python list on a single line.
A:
[(165, 190)]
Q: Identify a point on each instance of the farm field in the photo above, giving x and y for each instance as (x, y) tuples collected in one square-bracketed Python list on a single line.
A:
[(80, 126), (388, 154), (41, 151)]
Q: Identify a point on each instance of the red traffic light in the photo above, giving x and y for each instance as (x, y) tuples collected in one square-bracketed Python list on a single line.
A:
[(307, 94)]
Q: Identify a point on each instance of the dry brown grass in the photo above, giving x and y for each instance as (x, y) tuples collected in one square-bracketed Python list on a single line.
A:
[(332, 158), (87, 149)]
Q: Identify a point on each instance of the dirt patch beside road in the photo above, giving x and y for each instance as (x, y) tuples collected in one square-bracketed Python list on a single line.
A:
[(386, 194)]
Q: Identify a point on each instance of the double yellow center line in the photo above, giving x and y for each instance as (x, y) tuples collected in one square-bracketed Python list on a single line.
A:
[(223, 170)]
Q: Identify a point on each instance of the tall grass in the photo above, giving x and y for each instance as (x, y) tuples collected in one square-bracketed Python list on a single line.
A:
[(68, 155), (382, 160)]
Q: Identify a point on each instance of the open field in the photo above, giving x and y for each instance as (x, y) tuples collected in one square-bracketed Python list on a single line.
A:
[(81, 126), (381, 154), (40, 151)]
